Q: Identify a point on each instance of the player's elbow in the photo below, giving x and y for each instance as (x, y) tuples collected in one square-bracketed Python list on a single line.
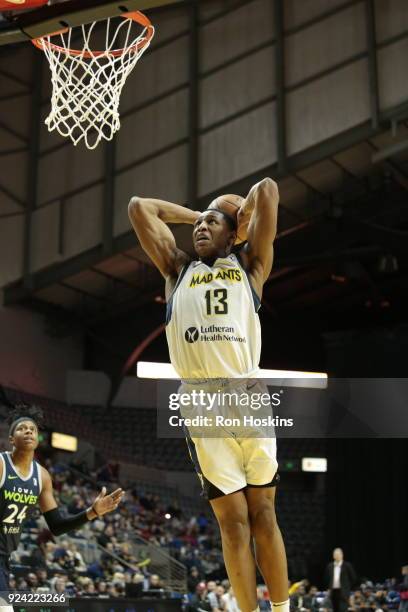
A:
[(134, 207), (267, 199), (270, 189)]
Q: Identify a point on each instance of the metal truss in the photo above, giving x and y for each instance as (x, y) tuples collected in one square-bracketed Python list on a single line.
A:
[(285, 166)]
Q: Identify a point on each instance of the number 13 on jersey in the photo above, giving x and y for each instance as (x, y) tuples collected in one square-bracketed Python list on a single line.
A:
[(216, 301)]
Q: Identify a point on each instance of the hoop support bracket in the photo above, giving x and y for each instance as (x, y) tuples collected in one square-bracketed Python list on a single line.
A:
[(49, 19)]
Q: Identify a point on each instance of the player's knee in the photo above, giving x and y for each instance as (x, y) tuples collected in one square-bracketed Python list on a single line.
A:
[(234, 529), (263, 521)]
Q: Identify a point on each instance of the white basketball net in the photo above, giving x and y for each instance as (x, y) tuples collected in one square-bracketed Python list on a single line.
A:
[(86, 90)]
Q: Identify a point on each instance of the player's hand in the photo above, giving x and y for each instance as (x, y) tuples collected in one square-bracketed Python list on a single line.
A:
[(107, 503)]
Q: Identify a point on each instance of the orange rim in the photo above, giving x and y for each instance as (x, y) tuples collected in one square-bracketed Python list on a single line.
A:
[(136, 16)]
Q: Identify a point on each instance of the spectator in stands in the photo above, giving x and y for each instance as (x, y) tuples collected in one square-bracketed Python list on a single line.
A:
[(107, 536), (89, 590), (403, 589), (134, 588), (111, 590), (42, 578), (356, 599), (77, 505), (211, 586), (102, 589), (95, 570), (120, 588), (191, 557), (300, 600), (59, 586), (126, 553), (393, 600), (215, 597), (263, 603), (293, 586), (199, 601), (313, 592), (67, 563), (155, 583), (60, 550), (197, 547), (380, 598), (12, 582), (229, 599), (212, 563), (322, 602), (340, 578), (32, 582), (119, 577), (193, 579), (76, 556)]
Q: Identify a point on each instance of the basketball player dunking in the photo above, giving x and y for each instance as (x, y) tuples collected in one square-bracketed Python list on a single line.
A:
[(24, 483), (238, 474)]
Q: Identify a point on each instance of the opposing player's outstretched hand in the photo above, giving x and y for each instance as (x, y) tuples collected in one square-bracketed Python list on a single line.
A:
[(107, 503)]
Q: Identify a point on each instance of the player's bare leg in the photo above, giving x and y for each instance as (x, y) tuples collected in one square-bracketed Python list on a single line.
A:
[(232, 515), (269, 546)]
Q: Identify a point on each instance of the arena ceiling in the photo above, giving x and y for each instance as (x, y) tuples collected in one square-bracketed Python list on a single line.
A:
[(341, 247)]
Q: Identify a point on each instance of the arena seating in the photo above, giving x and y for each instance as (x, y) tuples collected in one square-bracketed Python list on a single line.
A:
[(130, 435), (70, 566)]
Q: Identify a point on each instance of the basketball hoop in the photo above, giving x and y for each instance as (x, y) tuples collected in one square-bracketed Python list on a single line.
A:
[(87, 84)]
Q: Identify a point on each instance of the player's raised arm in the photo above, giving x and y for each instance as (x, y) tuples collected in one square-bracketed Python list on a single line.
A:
[(149, 219), (261, 209), (59, 524)]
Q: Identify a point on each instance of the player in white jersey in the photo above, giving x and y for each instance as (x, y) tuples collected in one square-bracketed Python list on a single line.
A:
[(213, 328), (213, 332)]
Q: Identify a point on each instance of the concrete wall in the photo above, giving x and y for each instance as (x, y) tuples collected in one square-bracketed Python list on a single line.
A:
[(32, 360)]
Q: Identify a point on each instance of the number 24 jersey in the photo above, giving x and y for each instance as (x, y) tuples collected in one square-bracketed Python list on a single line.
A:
[(18, 499)]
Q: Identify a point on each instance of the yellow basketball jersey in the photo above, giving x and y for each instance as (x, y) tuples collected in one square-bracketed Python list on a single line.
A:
[(212, 325)]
